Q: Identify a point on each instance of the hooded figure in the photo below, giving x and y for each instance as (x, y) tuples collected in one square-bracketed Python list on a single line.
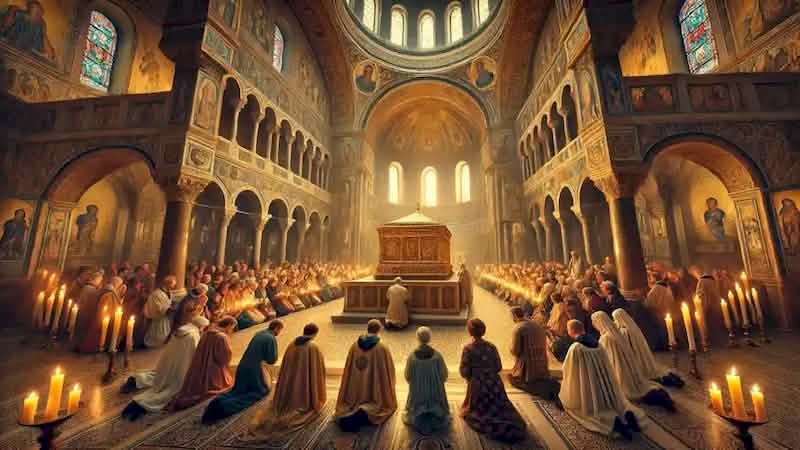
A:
[(299, 394), (397, 312), (641, 351), (631, 375), (367, 393), (427, 409), (166, 380)]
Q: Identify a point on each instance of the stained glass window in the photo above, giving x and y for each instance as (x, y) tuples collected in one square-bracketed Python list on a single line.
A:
[(429, 187), (398, 30), (368, 18), (482, 10), (698, 39), (427, 31), (278, 47), (456, 26), (98, 57), (395, 176), (462, 182)]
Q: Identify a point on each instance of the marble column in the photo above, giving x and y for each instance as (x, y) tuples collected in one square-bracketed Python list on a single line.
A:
[(273, 146), (283, 233), (562, 224), (539, 239), (222, 240), (301, 241), (259, 223), (548, 239), (236, 112), (175, 236), (587, 243), (257, 117), (323, 241)]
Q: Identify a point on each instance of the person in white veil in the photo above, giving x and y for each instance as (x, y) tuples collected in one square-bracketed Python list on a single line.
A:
[(591, 393), (631, 375), (641, 351)]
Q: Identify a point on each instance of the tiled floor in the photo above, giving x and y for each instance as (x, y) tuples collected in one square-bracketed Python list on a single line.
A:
[(97, 425)]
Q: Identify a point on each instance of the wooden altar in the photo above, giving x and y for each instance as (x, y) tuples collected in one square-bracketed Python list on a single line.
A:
[(414, 247)]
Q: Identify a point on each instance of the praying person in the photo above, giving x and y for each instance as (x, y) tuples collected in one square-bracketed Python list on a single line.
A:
[(104, 303), (252, 382), (299, 394), (427, 409), (641, 351), (529, 347), (590, 391), (486, 407), (209, 373), (367, 393), (397, 312), (156, 312)]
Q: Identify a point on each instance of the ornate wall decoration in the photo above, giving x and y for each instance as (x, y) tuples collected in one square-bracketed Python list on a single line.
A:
[(482, 73), (751, 235), (366, 77), (577, 39), (611, 81), (199, 157), (17, 220), (781, 57), (710, 98), (753, 18), (56, 234), (588, 99), (653, 99), (623, 144), (206, 105), (216, 46)]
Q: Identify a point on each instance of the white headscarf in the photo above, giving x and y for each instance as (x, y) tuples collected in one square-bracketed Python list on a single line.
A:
[(638, 343), (635, 384), (591, 393)]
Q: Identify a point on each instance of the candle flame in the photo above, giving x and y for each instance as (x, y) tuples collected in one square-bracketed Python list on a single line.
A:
[(733, 371), (119, 310), (33, 394), (737, 286), (755, 388), (714, 386), (697, 315), (58, 370), (76, 387), (723, 302), (132, 319), (668, 316), (744, 276), (684, 305)]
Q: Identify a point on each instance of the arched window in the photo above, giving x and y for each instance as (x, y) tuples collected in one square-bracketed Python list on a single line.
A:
[(278, 49), (427, 30), (428, 187), (98, 57), (455, 26), (369, 16), (462, 182), (698, 40), (397, 33), (395, 182), (481, 11)]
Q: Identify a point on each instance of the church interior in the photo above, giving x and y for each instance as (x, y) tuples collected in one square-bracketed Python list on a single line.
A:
[(400, 224)]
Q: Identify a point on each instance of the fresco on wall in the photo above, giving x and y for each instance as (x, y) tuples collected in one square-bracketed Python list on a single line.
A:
[(54, 237), (588, 104), (782, 57), (24, 25), (225, 10), (16, 229), (787, 207), (206, 114), (86, 224), (255, 21), (366, 76), (714, 217), (753, 18), (643, 52), (483, 72)]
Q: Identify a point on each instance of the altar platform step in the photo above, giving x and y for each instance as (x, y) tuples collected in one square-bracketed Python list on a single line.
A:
[(417, 319)]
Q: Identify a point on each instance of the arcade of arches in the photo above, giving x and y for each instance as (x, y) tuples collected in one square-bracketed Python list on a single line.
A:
[(638, 134)]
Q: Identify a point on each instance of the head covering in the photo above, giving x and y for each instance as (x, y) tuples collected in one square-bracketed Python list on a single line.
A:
[(631, 375), (638, 343)]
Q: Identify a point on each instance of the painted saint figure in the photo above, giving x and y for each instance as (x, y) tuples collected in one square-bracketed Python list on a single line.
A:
[(87, 225), (789, 217), (26, 29), (12, 243), (715, 219), (484, 77), (365, 81)]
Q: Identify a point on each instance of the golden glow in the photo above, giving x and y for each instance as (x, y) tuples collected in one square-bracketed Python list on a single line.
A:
[(395, 179), (427, 31), (428, 184), (397, 34)]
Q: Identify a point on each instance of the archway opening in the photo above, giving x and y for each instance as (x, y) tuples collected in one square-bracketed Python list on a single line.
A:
[(241, 231), (295, 235), (553, 247), (272, 244), (571, 229), (204, 232)]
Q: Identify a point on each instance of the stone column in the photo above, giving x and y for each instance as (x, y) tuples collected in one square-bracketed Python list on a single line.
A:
[(175, 236), (565, 110), (587, 243), (259, 223), (273, 146), (254, 139), (539, 239), (283, 233), (223, 235), (323, 241), (301, 241), (562, 223), (548, 239), (235, 133), (628, 254)]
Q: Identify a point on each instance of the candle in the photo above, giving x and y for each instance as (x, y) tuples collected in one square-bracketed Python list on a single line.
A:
[(129, 334), (38, 307), (670, 330), (29, 406), (757, 303), (52, 279), (715, 394), (687, 322), (737, 397), (73, 317), (104, 332), (726, 315), (742, 305), (758, 404), (734, 310), (112, 346), (698, 315), (699, 318), (74, 399), (57, 315), (745, 284), (54, 395), (49, 310)]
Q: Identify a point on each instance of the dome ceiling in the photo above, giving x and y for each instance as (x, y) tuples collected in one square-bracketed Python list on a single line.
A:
[(428, 126)]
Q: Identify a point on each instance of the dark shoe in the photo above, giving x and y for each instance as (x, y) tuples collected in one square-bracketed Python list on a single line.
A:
[(620, 428), (133, 411), (632, 421), (129, 386)]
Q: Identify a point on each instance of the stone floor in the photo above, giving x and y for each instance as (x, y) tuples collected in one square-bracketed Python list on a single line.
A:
[(98, 425)]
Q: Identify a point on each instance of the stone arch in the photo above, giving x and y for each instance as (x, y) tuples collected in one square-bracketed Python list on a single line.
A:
[(567, 106), (594, 209), (240, 244), (547, 138), (305, 160), (267, 135), (273, 237), (285, 137), (208, 216), (297, 151), (553, 241), (557, 125), (231, 99), (248, 121), (312, 244), (296, 234), (571, 232)]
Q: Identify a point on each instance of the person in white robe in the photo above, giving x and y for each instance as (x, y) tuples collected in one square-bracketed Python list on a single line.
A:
[(632, 377), (575, 265), (397, 312), (166, 380), (591, 393), (708, 291), (641, 351), (156, 311), (660, 302)]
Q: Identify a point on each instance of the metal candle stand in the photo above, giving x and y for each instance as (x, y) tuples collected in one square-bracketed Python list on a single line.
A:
[(49, 428), (673, 348), (693, 370), (747, 339), (732, 339), (743, 425)]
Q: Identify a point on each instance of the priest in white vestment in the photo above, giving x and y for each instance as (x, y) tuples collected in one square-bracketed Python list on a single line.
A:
[(156, 311), (641, 351), (591, 393), (397, 313), (635, 383), (166, 380)]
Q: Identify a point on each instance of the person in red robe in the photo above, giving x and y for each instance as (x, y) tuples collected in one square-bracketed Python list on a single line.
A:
[(104, 303), (209, 374)]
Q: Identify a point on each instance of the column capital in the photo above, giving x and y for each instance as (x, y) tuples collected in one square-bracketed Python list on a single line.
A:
[(183, 188), (620, 185), (227, 215)]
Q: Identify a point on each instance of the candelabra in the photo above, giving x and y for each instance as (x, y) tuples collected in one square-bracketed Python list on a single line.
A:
[(743, 425), (693, 370), (673, 348), (48, 428)]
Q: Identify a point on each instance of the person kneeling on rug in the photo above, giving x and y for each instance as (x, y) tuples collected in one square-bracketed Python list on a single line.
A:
[(397, 312), (427, 409)]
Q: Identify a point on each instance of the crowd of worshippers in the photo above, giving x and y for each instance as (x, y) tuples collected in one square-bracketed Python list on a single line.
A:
[(248, 295)]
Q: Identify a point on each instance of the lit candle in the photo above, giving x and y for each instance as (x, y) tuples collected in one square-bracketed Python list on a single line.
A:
[(29, 406), (74, 399), (670, 330), (757, 303), (716, 398), (57, 316), (758, 404), (104, 332), (49, 310), (698, 315), (726, 315), (54, 395), (73, 318), (734, 309), (687, 322), (737, 397), (38, 307), (52, 279), (129, 334), (112, 346), (745, 282), (742, 305)]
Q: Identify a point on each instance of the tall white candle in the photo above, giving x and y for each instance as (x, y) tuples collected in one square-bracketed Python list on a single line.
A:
[(670, 330), (38, 307), (49, 310), (687, 322), (737, 396), (742, 305), (757, 303), (726, 315), (734, 308), (112, 346), (57, 316), (73, 318), (54, 394), (758, 404)]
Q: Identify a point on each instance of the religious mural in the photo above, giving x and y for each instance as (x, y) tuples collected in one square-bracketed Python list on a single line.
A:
[(225, 10), (206, 111), (714, 217), (86, 225), (15, 232), (256, 22), (24, 26), (587, 92), (483, 72), (366, 77), (54, 237), (786, 206), (753, 18), (643, 52)]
